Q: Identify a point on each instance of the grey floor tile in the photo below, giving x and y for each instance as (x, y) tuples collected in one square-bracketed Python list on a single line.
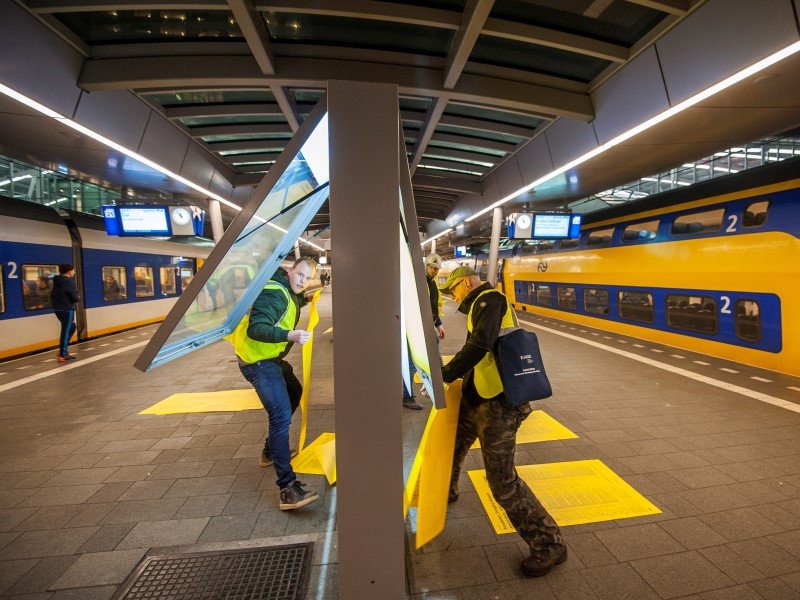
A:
[(71, 494), (766, 556), (775, 588), (39, 578), (12, 570), (638, 541), (150, 534), (37, 544), (450, 569), (229, 528), (203, 506), (569, 585), (618, 581), (588, 549), (11, 517), (200, 486), (740, 524), (270, 524), (692, 533), (101, 568), (146, 490), (135, 511), (105, 592), (505, 560), (681, 574)]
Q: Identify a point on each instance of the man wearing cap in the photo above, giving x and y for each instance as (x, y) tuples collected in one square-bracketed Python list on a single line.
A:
[(485, 415)]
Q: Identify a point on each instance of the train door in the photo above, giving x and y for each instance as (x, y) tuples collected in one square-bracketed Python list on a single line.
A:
[(77, 260)]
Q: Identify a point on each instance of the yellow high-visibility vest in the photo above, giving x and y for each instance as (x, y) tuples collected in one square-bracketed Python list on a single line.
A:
[(485, 375), (252, 351)]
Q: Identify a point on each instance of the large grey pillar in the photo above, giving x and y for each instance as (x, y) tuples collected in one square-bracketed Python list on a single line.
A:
[(494, 244), (215, 214), (365, 216)]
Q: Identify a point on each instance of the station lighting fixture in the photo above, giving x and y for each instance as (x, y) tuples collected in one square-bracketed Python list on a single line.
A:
[(126, 151), (688, 103), (440, 234)]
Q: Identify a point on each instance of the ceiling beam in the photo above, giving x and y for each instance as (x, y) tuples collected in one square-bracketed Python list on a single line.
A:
[(255, 32), (432, 182), (288, 106), (464, 155), (432, 116), (242, 129), (222, 110), (266, 145), (552, 38), (679, 8), (475, 14), (490, 126), (596, 8), (477, 142), (255, 157), (59, 6), (455, 165), (172, 72)]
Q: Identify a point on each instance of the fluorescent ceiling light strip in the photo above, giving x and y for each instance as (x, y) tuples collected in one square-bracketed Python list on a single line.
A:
[(440, 234), (119, 148), (688, 103)]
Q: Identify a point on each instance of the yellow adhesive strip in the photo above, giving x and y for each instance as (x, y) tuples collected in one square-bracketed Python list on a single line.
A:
[(583, 491), (326, 455), (307, 461), (308, 348), (225, 401), (539, 427)]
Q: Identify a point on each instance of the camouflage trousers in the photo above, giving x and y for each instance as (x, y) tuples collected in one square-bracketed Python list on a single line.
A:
[(495, 425)]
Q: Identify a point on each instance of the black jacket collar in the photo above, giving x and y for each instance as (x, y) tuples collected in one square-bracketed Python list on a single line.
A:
[(466, 305)]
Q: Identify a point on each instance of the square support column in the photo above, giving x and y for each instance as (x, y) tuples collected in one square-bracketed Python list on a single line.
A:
[(365, 219)]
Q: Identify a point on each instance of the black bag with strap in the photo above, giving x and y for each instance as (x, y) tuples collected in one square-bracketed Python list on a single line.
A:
[(521, 368)]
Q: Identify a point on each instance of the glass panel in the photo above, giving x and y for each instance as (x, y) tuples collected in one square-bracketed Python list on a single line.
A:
[(186, 277), (596, 301), (121, 26), (566, 297), (701, 222), (695, 313), (213, 97), (640, 232), (565, 244), (232, 119), (37, 283), (308, 96), (143, 279), (543, 295), (539, 59), (208, 313), (325, 29), (115, 284), (599, 237), (490, 114), (413, 103), (168, 277), (755, 215), (637, 306), (748, 320)]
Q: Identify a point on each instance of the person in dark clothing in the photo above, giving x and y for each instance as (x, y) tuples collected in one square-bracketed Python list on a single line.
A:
[(63, 298), (433, 262), (261, 342), (111, 289), (39, 296), (485, 415)]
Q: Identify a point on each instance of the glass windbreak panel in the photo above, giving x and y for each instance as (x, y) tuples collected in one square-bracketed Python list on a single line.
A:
[(637, 306), (640, 232), (115, 284), (695, 313), (212, 97), (148, 24), (143, 280), (37, 283), (748, 320), (168, 277), (248, 255), (700, 222), (755, 215), (595, 300)]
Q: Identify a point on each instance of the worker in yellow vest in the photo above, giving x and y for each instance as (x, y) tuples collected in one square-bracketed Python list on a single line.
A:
[(485, 415), (261, 342)]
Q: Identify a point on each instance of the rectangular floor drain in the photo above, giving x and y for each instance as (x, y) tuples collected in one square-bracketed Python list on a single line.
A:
[(269, 573)]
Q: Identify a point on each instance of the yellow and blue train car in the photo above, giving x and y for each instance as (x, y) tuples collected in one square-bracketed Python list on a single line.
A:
[(714, 268)]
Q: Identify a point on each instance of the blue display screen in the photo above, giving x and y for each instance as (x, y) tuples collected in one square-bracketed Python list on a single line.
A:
[(144, 220), (553, 226)]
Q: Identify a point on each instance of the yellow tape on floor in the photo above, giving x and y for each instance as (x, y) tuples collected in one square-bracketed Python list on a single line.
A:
[(539, 427), (197, 402), (583, 491), (307, 461)]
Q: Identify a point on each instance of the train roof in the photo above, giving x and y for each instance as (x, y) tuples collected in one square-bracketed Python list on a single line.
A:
[(727, 184), (23, 209)]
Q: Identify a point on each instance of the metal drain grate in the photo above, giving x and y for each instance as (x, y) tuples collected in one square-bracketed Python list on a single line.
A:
[(269, 573)]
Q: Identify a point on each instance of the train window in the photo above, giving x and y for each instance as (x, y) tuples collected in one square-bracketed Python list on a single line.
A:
[(169, 278), (545, 246), (636, 306), (37, 283), (640, 232), (564, 244), (143, 279), (695, 313), (755, 215), (186, 277), (543, 294), (115, 284), (599, 237), (699, 222), (748, 320), (2, 292), (595, 300), (566, 297)]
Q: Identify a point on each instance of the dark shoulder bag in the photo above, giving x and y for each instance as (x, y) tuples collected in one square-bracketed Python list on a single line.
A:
[(519, 362)]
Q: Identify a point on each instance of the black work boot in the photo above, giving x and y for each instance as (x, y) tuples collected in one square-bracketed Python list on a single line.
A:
[(536, 567), (295, 496)]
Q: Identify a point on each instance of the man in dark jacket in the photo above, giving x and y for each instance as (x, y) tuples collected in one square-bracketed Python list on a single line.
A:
[(270, 333), (485, 415), (63, 298)]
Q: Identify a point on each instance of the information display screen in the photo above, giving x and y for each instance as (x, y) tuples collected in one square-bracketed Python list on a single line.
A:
[(556, 226), (144, 220)]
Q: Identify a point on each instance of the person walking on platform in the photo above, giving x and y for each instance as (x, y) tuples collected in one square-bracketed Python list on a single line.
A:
[(485, 415), (63, 299), (261, 344)]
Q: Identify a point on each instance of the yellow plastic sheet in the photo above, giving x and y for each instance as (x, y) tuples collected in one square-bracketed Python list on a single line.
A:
[(308, 349), (429, 481), (539, 427), (446, 358), (326, 454), (198, 402), (307, 461), (583, 491)]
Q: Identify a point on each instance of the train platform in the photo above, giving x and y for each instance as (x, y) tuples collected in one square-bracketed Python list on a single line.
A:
[(88, 486)]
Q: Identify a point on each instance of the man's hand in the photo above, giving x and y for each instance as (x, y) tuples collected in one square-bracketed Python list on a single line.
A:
[(299, 336), (440, 331)]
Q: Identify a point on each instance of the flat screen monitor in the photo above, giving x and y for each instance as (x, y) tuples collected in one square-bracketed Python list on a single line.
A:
[(462, 251), (553, 226), (144, 220)]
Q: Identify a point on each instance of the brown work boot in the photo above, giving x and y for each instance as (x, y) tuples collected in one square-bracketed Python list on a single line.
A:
[(536, 567)]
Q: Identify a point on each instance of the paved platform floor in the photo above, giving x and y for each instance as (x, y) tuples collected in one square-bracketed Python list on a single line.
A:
[(88, 486)]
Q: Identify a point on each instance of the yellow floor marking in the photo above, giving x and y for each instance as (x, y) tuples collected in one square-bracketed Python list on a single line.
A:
[(583, 491), (308, 460), (539, 427), (198, 402)]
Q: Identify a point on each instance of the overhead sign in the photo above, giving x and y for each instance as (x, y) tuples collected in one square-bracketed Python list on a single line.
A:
[(144, 220), (544, 226)]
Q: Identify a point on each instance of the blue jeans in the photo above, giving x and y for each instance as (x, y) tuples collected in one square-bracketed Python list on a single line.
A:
[(279, 392), (68, 327)]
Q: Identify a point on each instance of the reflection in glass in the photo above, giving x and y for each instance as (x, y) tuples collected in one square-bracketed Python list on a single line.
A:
[(37, 283)]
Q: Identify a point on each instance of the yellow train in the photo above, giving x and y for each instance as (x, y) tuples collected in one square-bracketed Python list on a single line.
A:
[(714, 268)]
